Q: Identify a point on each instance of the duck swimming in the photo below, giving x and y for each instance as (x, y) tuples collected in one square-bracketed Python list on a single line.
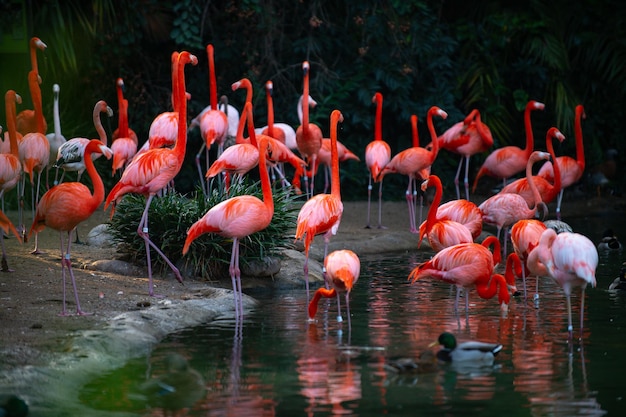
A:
[(609, 242), (470, 352), (619, 283)]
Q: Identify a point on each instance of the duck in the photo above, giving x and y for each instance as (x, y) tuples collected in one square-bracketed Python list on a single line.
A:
[(558, 226), (425, 363), (619, 283), (470, 352), (609, 242)]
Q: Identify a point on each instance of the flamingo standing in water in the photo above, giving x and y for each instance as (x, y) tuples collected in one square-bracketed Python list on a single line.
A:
[(239, 217), (124, 145), (571, 260), (377, 155), (27, 119), (321, 214), (65, 206), (342, 268), (416, 161), (479, 140), (441, 233), (571, 169), (525, 236), (507, 161), (464, 212), (308, 135), (151, 171)]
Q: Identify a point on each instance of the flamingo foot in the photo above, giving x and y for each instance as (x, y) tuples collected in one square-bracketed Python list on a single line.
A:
[(380, 226), (83, 313)]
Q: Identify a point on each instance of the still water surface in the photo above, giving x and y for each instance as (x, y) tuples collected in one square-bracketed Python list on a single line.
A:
[(277, 363)]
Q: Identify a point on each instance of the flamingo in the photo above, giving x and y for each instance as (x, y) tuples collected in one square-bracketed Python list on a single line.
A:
[(467, 265), (151, 171), (377, 156), (465, 212), (547, 190), (413, 161), (480, 140), (504, 209), (65, 206), (27, 119), (441, 233), (213, 123), (321, 214), (10, 169), (124, 144), (571, 260), (512, 270), (507, 161), (342, 268), (525, 234), (324, 158), (56, 139), (163, 130), (308, 135), (237, 218), (571, 169), (285, 132)]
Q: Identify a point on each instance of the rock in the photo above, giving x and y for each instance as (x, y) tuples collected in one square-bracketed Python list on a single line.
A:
[(100, 236), (117, 267), (266, 267)]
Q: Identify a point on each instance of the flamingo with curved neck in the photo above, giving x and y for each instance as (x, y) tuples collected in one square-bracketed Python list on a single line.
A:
[(27, 120)]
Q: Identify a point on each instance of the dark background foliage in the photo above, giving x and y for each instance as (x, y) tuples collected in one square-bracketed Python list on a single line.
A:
[(458, 55)]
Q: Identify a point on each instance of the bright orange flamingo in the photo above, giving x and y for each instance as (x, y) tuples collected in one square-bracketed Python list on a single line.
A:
[(237, 218), (6, 226), (377, 156), (571, 260), (480, 140), (441, 233), (56, 138), (65, 206), (321, 214), (525, 236), (342, 269), (504, 209), (467, 265), (27, 119), (547, 190), (571, 169), (413, 161), (152, 170), (124, 145), (308, 135), (213, 123), (507, 161)]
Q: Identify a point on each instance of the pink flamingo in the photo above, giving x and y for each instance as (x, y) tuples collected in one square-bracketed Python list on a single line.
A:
[(571, 260), (237, 218), (413, 161), (65, 206), (321, 214), (441, 233), (525, 234), (467, 265), (504, 209), (571, 169), (27, 119), (124, 145), (308, 135), (163, 130), (377, 155), (464, 212), (152, 170), (547, 190), (343, 268), (213, 123), (479, 140), (507, 161)]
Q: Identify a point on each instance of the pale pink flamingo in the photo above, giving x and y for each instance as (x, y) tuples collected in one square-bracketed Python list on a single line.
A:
[(571, 260), (479, 140), (152, 170), (441, 233), (27, 119), (321, 214), (56, 138), (525, 236), (504, 209), (413, 161), (65, 206), (547, 190), (377, 155), (571, 169), (464, 212), (237, 218), (343, 268), (507, 161), (308, 135), (124, 145), (213, 123)]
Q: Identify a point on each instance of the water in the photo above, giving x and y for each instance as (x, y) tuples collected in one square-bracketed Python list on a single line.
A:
[(277, 363)]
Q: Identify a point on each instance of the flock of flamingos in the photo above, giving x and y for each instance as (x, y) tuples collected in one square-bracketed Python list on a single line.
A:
[(451, 228)]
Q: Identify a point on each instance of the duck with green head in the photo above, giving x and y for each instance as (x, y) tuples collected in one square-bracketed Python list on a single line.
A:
[(479, 353)]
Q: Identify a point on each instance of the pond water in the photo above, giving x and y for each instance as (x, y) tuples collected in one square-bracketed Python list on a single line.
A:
[(278, 363)]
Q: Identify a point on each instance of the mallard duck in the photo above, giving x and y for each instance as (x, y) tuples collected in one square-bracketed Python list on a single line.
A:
[(479, 353), (619, 283), (609, 242)]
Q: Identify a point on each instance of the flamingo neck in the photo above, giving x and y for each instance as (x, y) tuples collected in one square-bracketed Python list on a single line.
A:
[(530, 139), (10, 99), (98, 186), (174, 59), (555, 165), (513, 268), (414, 132), (181, 102), (33, 55), (55, 114), (493, 241), (578, 132), (266, 187), (531, 181), (270, 113), (241, 126), (35, 91), (378, 122), (496, 284), (122, 104), (433, 134), (335, 187), (305, 104), (212, 78), (321, 292), (250, 123), (432, 211), (97, 122)]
